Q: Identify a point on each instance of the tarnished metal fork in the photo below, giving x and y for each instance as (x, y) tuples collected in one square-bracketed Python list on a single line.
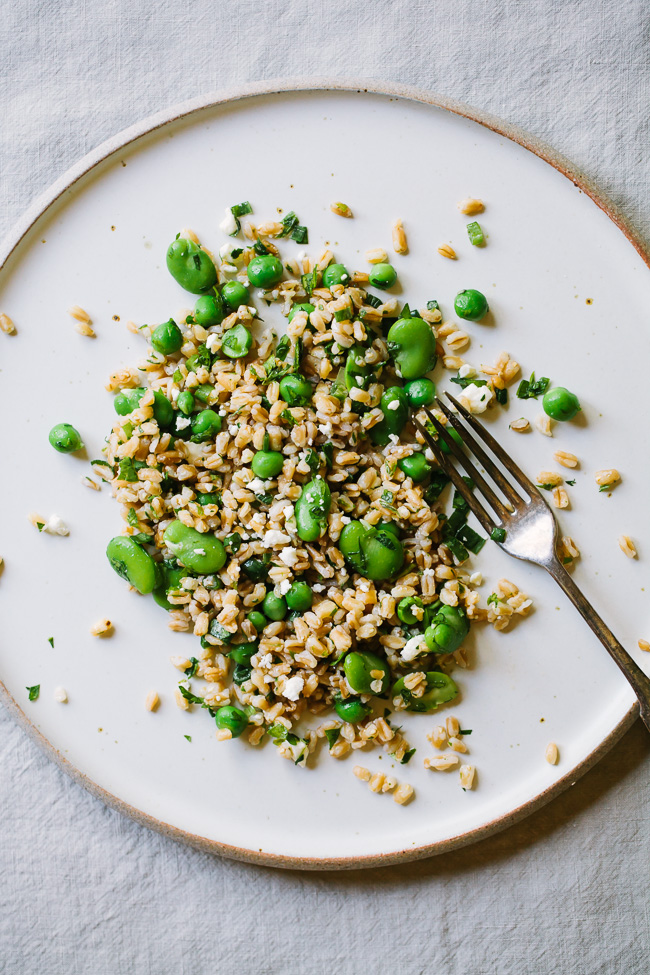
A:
[(530, 527)]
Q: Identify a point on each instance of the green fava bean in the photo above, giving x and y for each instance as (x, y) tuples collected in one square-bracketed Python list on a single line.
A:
[(420, 392), (64, 438), (274, 607), (454, 434), (335, 274), (295, 390), (447, 630), (267, 463), (204, 392), (372, 552), (209, 310), (171, 580), (205, 426), (351, 709), (560, 404), (237, 342), (356, 368), (439, 690), (394, 406), (412, 345), (382, 276), (299, 597), (185, 402), (312, 508), (229, 718), (129, 400), (471, 305), (242, 652), (167, 338), (200, 552), (258, 620), (357, 667), (416, 467), (265, 271), (405, 610), (305, 306), (133, 563), (235, 294), (190, 266)]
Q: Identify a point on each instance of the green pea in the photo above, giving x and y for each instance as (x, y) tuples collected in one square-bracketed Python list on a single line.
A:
[(405, 610), (242, 652), (257, 570), (560, 404), (171, 580), (357, 667), (204, 392), (305, 306), (200, 552), (440, 689), (267, 463), (420, 392), (372, 552), (133, 563), (209, 310), (274, 607), (185, 402), (235, 294), (300, 597), (237, 342), (382, 276), (205, 426), (471, 305), (454, 434), (394, 406), (447, 630), (356, 368), (258, 620), (265, 271), (231, 719), (311, 510), (351, 709), (205, 497), (190, 266), (295, 390), (167, 338), (412, 345), (390, 526), (416, 467), (129, 400), (335, 274), (64, 438)]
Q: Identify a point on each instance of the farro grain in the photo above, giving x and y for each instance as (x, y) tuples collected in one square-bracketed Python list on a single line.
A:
[(471, 206), (152, 701), (102, 627), (607, 478), (543, 423), (627, 546), (467, 776), (446, 250), (362, 773), (441, 763), (565, 459), (403, 794), (644, 645), (400, 245), (6, 325), (552, 754), (520, 426)]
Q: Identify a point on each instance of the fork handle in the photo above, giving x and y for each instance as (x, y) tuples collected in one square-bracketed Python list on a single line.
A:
[(638, 680)]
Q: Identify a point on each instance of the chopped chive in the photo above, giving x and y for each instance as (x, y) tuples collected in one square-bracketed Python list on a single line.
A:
[(570, 483), (475, 234), (300, 235), (532, 388), (373, 300), (471, 539), (260, 248), (241, 209), (465, 731)]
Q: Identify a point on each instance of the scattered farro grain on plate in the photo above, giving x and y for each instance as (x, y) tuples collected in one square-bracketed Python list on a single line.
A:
[(565, 458), (377, 255), (552, 754), (627, 546), (446, 250), (400, 245), (544, 424), (362, 773), (607, 478), (521, 425), (6, 324), (471, 206), (644, 645), (102, 627), (441, 763), (151, 701), (403, 794), (560, 497), (467, 774), (341, 209)]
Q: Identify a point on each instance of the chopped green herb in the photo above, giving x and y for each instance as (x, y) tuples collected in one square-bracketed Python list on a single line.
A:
[(464, 381), (570, 483), (406, 312), (475, 234), (433, 305), (567, 559), (126, 470), (132, 518), (300, 235), (194, 699), (40, 525), (310, 281), (260, 248), (501, 396), (605, 487), (332, 735), (178, 376), (437, 483), (498, 534), (33, 691), (282, 348), (50, 640), (312, 460), (187, 737), (241, 209), (457, 549), (289, 223), (192, 669), (532, 388), (471, 539), (465, 731), (373, 300), (408, 756), (493, 599), (546, 487), (233, 542)]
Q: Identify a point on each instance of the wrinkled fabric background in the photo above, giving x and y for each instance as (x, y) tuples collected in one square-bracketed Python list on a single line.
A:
[(83, 890)]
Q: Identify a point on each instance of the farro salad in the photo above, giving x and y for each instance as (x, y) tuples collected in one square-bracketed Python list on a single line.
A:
[(280, 505)]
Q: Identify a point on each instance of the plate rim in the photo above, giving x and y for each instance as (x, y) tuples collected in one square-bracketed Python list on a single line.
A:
[(184, 110)]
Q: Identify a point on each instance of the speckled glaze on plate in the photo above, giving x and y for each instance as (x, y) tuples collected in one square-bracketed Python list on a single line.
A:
[(568, 284)]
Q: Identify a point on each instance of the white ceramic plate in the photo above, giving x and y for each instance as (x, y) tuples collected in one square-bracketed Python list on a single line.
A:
[(569, 292)]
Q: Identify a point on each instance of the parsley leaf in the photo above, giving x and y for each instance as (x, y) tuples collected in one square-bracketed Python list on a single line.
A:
[(132, 518), (408, 756), (33, 691), (50, 640), (187, 737), (332, 735), (193, 667), (532, 388)]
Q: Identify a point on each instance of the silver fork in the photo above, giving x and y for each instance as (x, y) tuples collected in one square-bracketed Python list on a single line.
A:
[(522, 513)]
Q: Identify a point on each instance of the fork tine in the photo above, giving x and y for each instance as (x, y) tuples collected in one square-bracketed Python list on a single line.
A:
[(497, 449), (474, 446), (484, 519), (495, 503)]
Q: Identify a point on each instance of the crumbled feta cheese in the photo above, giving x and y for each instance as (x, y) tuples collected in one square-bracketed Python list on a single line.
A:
[(256, 485), (274, 537), (466, 371), (301, 255), (477, 398), (284, 587), (225, 251), (266, 660), (175, 393), (476, 578), (55, 526), (375, 686), (359, 380), (318, 587), (193, 451), (395, 405), (60, 695), (228, 269), (394, 439), (345, 520), (233, 429), (293, 687), (212, 341), (182, 422), (228, 225), (289, 556), (199, 551), (325, 429), (412, 648)]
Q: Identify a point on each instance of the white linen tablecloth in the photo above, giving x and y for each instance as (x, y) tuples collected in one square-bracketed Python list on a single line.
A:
[(83, 890)]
